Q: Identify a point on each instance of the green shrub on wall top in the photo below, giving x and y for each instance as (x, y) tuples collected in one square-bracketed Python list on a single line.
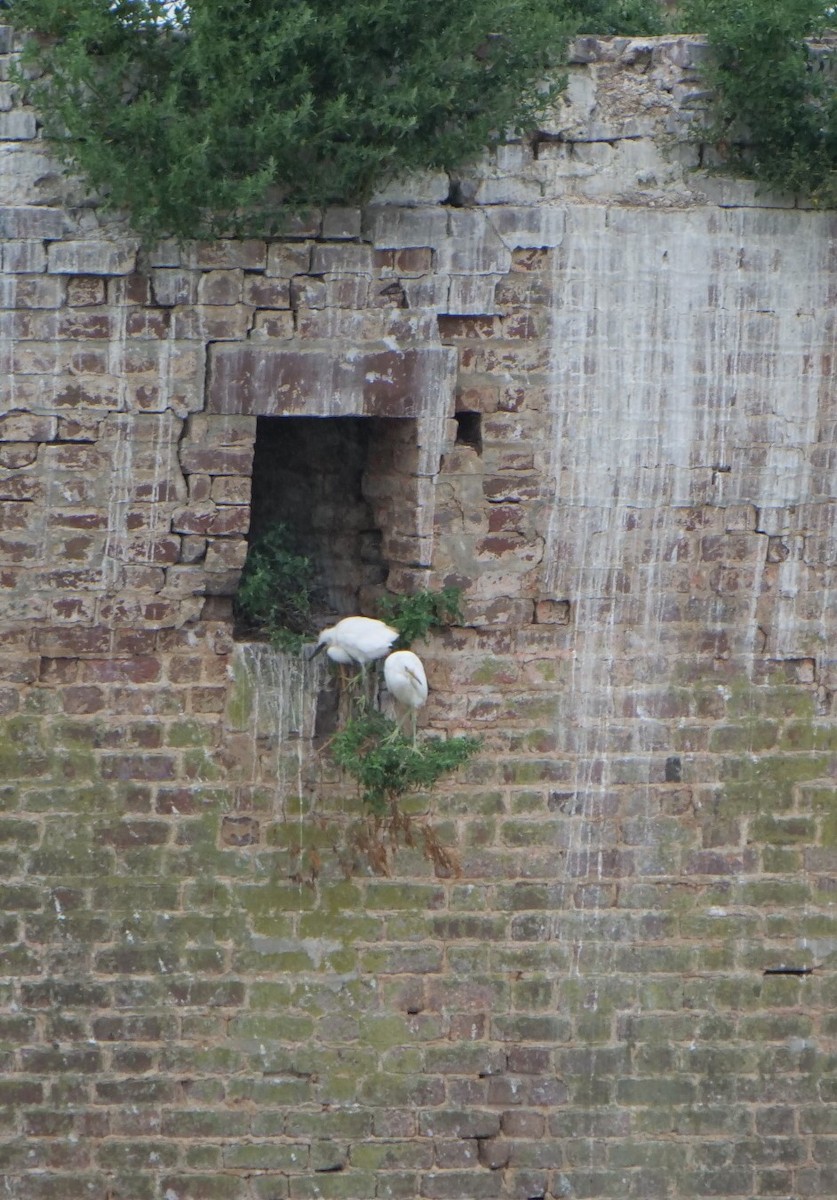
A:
[(774, 102), (205, 117)]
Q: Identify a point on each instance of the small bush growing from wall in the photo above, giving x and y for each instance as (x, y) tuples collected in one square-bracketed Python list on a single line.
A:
[(387, 766), (774, 112), (275, 593), (414, 616), (220, 116)]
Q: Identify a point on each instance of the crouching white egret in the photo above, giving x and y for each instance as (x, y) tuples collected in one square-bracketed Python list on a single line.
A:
[(356, 640), (406, 681)]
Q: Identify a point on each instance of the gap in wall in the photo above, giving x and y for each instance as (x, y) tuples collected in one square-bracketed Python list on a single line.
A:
[(308, 472), (469, 430)]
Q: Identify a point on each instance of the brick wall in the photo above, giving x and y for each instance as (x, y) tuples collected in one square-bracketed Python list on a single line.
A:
[(600, 1005)]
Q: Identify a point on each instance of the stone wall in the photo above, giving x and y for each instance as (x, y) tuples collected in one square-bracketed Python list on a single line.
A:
[(629, 991)]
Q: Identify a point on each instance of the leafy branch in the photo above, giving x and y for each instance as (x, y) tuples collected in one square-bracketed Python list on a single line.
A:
[(414, 616)]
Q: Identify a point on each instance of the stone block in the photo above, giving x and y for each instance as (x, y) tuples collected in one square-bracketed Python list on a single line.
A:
[(223, 460), (341, 223), (211, 322), (274, 323), (249, 255), (346, 292), (423, 187), (352, 258), (508, 189), (431, 292), (391, 228), (470, 294), (207, 429), (287, 260), (33, 292), (174, 287), (307, 292), (265, 292), (18, 126), (35, 222), (92, 257), (19, 257), (530, 226), (225, 554), (26, 427), (85, 290), (473, 247), (221, 287), (271, 381), (416, 261)]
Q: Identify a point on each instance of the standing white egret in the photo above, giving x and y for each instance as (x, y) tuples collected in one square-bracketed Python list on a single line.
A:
[(406, 681)]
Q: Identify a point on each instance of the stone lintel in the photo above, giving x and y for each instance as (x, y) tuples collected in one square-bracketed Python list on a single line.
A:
[(375, 382)]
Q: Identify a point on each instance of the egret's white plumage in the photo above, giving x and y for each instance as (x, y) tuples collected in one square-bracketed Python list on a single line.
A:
[(406, 681), (357, 640)]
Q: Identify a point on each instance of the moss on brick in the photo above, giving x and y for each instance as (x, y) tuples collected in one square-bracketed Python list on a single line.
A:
[(188, 733)]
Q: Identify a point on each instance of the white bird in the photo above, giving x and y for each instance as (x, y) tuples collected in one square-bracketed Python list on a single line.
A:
[(406, 681), (356, 640)]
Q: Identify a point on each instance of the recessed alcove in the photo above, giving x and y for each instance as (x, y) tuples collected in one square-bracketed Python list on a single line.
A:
[(345, 487)]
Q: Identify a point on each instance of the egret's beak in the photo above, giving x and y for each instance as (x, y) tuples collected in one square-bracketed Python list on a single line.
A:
[(318, 649)]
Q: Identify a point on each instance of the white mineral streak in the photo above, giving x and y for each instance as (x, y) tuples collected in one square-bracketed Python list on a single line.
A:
[(689, 353), (283, 691)]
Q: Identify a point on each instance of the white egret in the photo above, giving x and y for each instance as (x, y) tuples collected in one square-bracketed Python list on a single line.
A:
[(358, 640), (406, 681)]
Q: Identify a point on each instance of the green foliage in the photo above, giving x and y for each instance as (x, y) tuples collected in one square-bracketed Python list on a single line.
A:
[(386, 766), (774, 107), (275, 592), (222, 116), (631, 17), (414, 616)]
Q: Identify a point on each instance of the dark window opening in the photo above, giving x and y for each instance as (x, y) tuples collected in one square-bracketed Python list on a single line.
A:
[(469, 430), (348, 490), (308, 473)]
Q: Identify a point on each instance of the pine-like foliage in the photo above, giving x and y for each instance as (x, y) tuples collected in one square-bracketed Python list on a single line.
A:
[(385, 762), (208, 116)]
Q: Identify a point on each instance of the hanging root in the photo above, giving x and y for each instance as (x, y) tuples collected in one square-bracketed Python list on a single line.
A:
[(378, 837)]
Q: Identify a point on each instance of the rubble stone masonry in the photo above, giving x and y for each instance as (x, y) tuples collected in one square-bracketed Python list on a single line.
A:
[(630, 989)]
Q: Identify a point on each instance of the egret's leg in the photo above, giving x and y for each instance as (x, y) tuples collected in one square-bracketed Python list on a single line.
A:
[(356, 690), (415, 726), (398, 731)]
